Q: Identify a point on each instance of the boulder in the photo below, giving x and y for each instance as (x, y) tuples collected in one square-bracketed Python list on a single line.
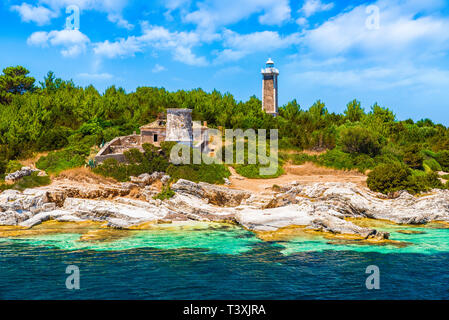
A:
[(165, 179), (217, 195), (25, 171)]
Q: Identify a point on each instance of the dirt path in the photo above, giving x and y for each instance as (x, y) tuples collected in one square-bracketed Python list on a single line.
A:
[(307, 173)]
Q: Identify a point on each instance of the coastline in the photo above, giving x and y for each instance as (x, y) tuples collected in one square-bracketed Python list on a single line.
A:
[(336, 211)]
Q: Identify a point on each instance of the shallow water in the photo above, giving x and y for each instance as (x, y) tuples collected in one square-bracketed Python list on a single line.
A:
[(213, 261)]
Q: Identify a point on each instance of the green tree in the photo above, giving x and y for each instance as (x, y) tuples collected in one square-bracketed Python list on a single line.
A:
[(13, 81), (359, 140), (354, 112), (413, 157), (443, 160), (390, 177)]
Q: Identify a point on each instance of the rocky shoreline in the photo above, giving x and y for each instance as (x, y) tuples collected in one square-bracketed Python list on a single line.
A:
[(323, 207)]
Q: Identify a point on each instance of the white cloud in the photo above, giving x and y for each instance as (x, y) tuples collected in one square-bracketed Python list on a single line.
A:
[(73, 42), (117, 18), (301, 21), (96, 76), (119, 48), (238, 46), (311, 7), (343, 57), (39, 38), (157, 37), (216, 13), (185, 55), (402, 32), (158, 68), (377, 78), (39, 15)]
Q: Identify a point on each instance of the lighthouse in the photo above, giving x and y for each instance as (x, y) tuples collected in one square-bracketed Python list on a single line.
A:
[(270, 88)]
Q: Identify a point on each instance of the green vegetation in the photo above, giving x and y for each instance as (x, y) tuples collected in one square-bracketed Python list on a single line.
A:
[(166, 193), (13, 166), (137, 163), (387, 178), (153, 159), (58, 161), (58, 115), (210, 173), (31, 181), (359, 140)]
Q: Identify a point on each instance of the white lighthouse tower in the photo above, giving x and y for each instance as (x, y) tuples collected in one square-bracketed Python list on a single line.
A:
[(270, 88)]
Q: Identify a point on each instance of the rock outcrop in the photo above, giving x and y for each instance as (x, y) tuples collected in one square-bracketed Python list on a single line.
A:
[(146, 179), (25, 171), (217, 195), (320, 206)]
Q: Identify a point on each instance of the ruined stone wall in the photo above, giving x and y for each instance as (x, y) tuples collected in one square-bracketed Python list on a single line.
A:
[(179, 125), (118, 157), (148, 135)]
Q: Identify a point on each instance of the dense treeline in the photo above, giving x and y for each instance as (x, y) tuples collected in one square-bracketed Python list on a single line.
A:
[(57, 114)]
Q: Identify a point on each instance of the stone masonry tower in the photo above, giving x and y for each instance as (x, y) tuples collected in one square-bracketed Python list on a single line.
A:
[(179, 126), (270, 88)]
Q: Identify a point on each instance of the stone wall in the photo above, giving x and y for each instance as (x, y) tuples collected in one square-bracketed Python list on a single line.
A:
[(179, 125), (148, 136), (268, 94)]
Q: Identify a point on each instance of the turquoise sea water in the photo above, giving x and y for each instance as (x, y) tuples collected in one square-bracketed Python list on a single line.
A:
[(213, 261)]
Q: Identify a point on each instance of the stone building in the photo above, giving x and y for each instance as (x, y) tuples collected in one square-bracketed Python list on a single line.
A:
[(176, 126), (270, 88), (155, 131)]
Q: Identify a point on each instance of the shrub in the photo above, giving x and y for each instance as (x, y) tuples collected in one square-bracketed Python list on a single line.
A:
[(55, 138), (413, 157), (252, 171), (390, 177), (432, 164), (31, 181), (359, 140), (157, 160), (324, 139), (422, 182), (58, 161), (112, 168), (3, 164), (111, 133), (301, 158), (430, 154), (166, 193), (337, 159), (210, 173), (443, 160), (13, 166)]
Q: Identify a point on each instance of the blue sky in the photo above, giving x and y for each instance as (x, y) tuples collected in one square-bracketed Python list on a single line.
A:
[(392, 52)]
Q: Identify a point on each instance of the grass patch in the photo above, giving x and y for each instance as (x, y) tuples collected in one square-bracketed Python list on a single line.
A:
[(210, 173), (27, 182), (166, 193), (252, 171), (58, 161)]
